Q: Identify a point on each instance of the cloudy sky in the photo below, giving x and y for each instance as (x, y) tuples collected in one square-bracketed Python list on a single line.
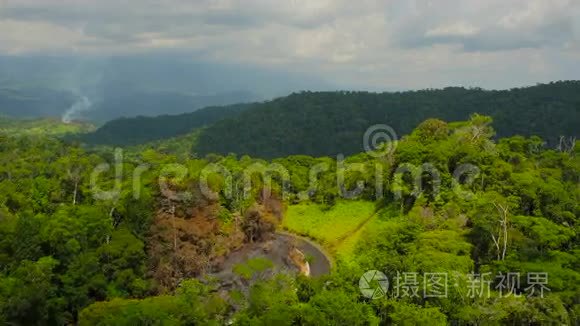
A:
[(366, 44)]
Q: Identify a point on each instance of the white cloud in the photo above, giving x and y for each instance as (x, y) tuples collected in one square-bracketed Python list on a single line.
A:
[(454, 29), (21, 37)]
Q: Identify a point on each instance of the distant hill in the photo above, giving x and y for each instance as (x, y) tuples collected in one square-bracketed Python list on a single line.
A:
[(328, 123), (140, 130), (130, 104), (34, 102), (35, 86)]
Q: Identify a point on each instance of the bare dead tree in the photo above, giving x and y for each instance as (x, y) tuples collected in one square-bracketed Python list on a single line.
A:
[(173, 226), (501, 240), (75, 176), (476, 133), (75, 192), (566, 145)]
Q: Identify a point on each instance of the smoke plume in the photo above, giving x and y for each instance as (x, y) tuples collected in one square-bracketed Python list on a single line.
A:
[(74, 112)]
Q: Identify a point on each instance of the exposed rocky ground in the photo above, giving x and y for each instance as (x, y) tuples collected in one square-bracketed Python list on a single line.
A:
[(193, 240)]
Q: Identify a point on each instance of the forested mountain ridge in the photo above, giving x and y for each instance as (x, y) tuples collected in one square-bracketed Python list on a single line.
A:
[(139, 130), (327, 123)]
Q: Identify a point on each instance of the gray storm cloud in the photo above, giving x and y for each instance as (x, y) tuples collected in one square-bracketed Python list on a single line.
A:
[(370, 43)]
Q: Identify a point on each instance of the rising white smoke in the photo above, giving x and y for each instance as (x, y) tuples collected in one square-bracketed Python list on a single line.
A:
[(74, 112)]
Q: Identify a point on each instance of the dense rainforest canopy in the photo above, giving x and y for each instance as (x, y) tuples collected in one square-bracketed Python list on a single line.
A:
[(133, 253)]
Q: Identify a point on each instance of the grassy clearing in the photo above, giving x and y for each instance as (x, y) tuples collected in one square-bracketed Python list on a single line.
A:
[(41, 127), (333, 228), (346, 248)]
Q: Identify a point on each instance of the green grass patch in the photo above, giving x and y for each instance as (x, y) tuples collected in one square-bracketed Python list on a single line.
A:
[(252, 266), (41, 127), (346, 248), (329, 227)]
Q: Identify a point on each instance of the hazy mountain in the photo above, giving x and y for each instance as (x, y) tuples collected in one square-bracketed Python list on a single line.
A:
[(100, 89), (34, 102), (139, 130)]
